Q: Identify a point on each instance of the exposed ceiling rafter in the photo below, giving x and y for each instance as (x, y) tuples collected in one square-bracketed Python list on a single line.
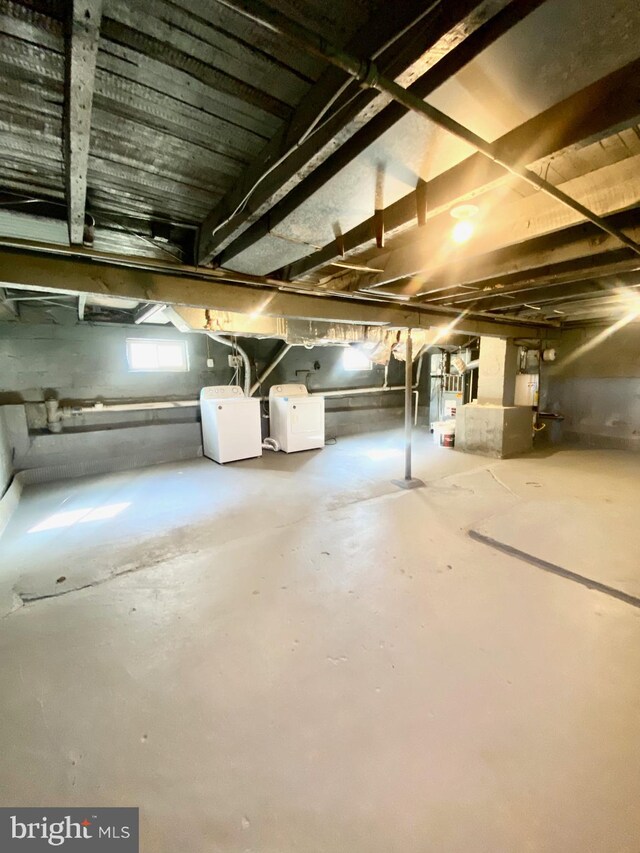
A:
[(369, 75), (72, 276), (293, 152), (445, 68), (580, 248), (82, 49), (608, 190), (589, 114), (562, 292)]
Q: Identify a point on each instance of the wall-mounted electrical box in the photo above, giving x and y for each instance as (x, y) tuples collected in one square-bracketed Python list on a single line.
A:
[(526, 389)]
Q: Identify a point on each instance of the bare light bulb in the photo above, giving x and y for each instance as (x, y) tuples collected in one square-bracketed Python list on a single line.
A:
[(462, 231)]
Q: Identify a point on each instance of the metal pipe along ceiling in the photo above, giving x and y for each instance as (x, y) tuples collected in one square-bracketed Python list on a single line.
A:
[(367, 74)]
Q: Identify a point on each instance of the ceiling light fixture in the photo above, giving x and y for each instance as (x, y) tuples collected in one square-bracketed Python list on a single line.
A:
[(464, 211), (462, 231), (464, 228)]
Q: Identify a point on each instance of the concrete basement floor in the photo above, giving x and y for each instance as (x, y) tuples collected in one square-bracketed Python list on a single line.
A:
[(291, 655)]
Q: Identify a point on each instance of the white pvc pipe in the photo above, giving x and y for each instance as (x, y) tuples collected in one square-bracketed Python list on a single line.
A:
[(245, 359), (268, 370), (98, 408), (379, 389), (352, 392)]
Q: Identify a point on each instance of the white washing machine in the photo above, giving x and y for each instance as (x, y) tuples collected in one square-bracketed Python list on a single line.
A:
[(296, 418), (230, 423)]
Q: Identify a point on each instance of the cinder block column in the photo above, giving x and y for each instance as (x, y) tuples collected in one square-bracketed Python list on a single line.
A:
[(497, 372), (493, 425)]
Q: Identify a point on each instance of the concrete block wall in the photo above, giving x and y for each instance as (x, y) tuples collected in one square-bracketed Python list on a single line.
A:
[(6, 456), (595, 384), (80, 363), (85, 362)]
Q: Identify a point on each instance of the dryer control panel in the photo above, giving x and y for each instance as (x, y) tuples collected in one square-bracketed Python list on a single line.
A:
[(221, 392), (291, 389)]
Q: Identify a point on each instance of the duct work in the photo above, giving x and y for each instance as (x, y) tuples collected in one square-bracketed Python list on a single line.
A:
[(303, 332)]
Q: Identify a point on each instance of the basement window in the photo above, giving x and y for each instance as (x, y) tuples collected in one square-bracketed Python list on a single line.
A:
[(354, 359), (160, 356)]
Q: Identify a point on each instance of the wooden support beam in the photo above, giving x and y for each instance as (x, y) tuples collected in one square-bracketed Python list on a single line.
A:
[(580, 256), (605, 191), (587, 116), (293, 152), (82, 49), (421, 202), (558, 293), (82, 302), (581, 246), (378, 224), (63, 274), (457, 54)]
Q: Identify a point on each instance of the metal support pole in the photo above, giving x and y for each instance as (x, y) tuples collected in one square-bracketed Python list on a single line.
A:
[(409, 482), (408, 377)]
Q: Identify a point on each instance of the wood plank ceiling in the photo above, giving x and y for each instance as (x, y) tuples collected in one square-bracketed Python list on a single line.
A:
[(184, 131)]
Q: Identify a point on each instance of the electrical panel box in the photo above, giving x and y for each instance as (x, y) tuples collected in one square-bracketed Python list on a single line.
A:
[(526, 389)]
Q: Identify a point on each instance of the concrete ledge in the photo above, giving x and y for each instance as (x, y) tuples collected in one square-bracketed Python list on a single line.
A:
[(59, 456), (73, 454), (69, 470), (9, 501)]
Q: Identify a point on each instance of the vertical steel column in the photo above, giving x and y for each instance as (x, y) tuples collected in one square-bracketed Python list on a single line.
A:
[(408, 382), (409, 482)]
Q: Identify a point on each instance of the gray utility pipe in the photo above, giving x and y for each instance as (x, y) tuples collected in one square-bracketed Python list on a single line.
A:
[(268, 370), (369, 77), (245, 359), (378, 389)]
